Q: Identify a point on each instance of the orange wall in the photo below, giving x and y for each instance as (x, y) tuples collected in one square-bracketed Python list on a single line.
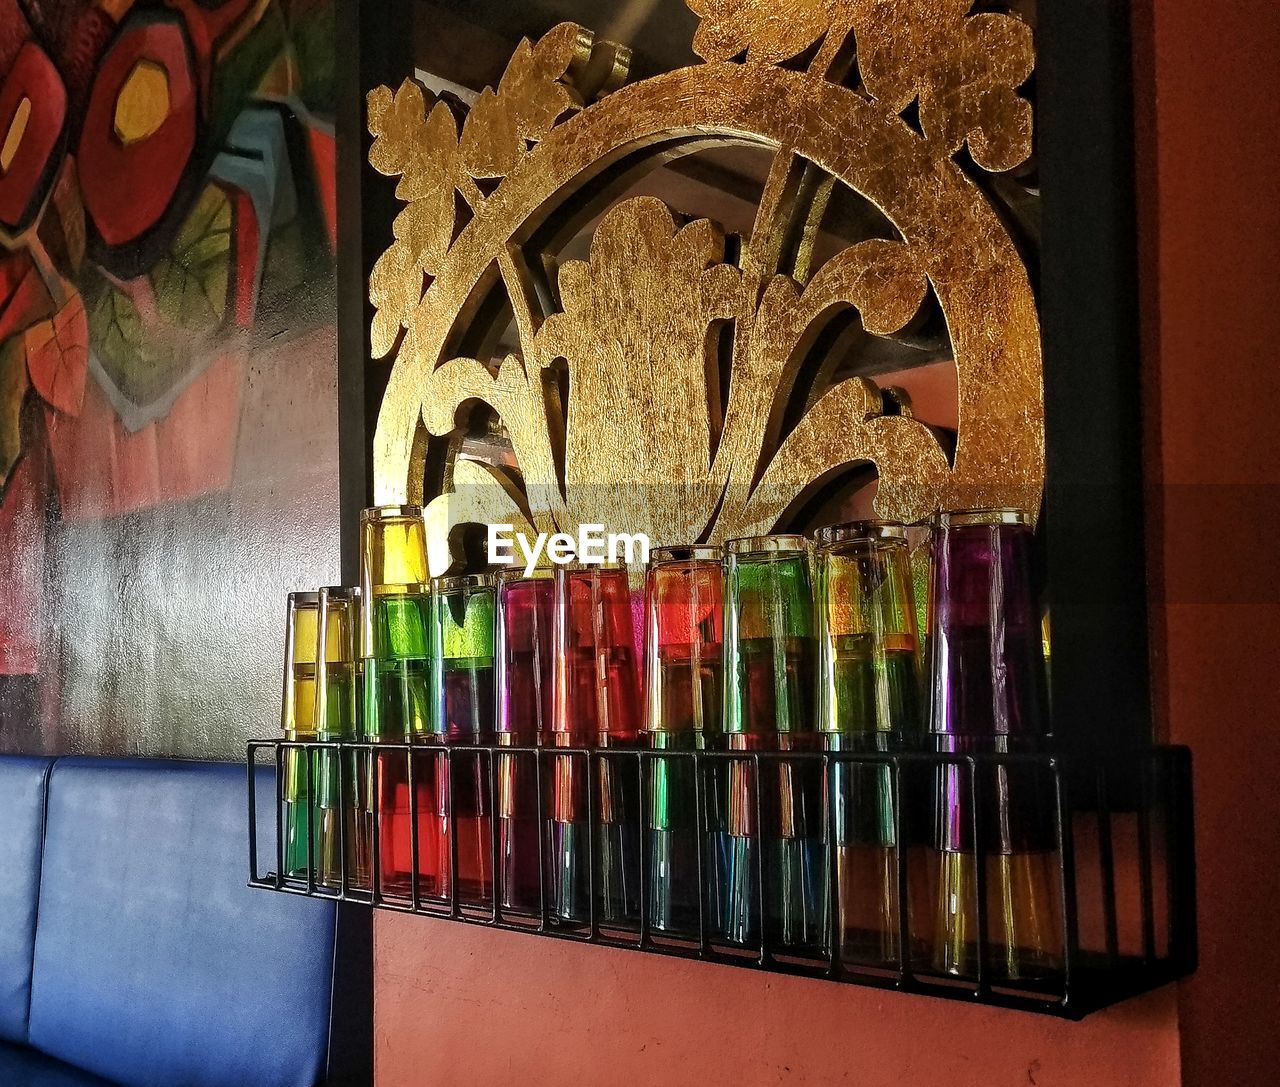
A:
[(1212, 248), (457, 1005)]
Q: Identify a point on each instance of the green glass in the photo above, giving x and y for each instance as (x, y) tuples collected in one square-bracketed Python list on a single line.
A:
[(464, 610), (343, 810), (769, 640), (465, 622), (769, 659), (398, 705), (395, 639)]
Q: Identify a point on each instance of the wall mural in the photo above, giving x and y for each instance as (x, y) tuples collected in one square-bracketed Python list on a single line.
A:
[(167, 224)]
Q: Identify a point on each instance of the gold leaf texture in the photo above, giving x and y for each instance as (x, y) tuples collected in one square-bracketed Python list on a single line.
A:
[(421, 148), (416, 139), (964, 69), (636, 332), (884, 282), (532, 95), (628, 357), (765, 30)]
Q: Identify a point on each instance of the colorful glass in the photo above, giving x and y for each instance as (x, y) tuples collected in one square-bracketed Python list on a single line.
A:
[(463, 681), (595, 703), (769, 659), (343, 802), (525, 612), (989, 696), (396, 649), (869, 700), (298, 722), (684, 625)]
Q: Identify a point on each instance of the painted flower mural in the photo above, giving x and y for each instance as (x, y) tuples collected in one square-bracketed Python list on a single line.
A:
[(164, 167)]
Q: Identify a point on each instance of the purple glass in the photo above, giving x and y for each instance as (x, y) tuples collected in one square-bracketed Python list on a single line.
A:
[(988, 669), (989, 696), (988, 659)]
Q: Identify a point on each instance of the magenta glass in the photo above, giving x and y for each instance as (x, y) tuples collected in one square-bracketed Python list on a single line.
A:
[(525, 615), (524, 649)]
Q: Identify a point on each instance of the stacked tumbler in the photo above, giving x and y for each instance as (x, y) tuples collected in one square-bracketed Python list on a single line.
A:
[(769, 659), (684, 609), (595, 704), (989, 697), (398, 703)]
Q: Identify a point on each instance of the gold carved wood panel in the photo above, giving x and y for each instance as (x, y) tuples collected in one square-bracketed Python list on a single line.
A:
[(616, 404)]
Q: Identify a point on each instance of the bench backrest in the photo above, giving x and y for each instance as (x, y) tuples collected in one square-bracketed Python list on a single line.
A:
[(153, 963)]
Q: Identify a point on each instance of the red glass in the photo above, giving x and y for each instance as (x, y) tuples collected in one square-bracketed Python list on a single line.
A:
[(595, 702), (525, 616), (395, 853), (596, 688), (524, 681)]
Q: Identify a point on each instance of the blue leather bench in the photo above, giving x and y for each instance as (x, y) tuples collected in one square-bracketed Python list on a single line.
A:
[(131, 952)]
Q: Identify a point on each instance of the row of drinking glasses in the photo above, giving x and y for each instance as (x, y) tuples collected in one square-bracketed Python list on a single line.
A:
[(768, 644)]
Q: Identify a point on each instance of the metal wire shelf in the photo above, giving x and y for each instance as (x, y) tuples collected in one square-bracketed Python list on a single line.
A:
[(1121, 840)]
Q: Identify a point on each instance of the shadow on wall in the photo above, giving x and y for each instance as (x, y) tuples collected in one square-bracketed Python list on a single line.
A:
[(167, 365)]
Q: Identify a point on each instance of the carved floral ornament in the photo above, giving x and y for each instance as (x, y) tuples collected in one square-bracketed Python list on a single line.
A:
[(617, 405)]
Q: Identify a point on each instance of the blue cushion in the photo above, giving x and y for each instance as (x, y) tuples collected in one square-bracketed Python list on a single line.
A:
[(22, 1067), (22, 791), (154, 964)]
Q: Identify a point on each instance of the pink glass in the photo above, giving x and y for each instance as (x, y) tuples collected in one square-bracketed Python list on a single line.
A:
[(524, 682)]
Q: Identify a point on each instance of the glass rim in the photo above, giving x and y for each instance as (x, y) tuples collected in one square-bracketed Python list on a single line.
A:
[(772, 543), (863, 529), (591, 568), (686, 553), (304, 598), (481, 580), (514, 573), (339, 592), (373, 514), (994, 515)]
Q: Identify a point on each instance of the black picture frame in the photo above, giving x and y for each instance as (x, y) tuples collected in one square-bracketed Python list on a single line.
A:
[(1093, 526)]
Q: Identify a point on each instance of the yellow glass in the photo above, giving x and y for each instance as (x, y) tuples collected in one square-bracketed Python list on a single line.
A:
[(298, 722), (393, 565), (1024, 926)]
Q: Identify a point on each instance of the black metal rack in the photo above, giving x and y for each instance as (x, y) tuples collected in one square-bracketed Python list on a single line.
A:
[(1121, 838)]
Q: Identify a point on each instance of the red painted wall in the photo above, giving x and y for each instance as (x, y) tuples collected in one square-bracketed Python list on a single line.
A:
[(455, 1005), (1212, 243)]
